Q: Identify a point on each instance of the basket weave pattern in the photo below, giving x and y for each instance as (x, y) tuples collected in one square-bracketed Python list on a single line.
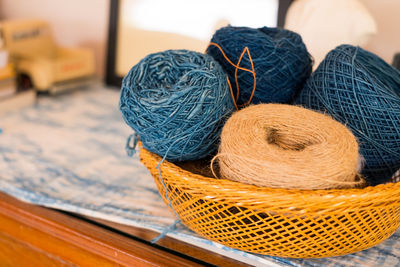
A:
[(279, 222)]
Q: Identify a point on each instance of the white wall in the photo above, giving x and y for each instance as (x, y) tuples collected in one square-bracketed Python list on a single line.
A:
[(75, 22), (387, 17), (85, 23)]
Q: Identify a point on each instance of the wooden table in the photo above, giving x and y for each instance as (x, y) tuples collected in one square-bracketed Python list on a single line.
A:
[(31, 235)]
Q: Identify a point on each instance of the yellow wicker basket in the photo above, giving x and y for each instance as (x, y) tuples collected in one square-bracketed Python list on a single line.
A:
[(279, 222)]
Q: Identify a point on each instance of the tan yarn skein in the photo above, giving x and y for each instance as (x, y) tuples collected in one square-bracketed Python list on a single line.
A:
[(283, 146)]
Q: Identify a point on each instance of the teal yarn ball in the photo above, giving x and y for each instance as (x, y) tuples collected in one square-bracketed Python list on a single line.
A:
[(278, 57), (362, 91), (177, 102)]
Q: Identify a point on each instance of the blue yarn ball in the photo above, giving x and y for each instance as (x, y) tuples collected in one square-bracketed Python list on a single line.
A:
[(362, 91), (281, 62), (177, 102)]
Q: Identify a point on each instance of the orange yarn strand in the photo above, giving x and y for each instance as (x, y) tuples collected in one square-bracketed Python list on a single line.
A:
[(237, 67), (246, 49), (254, 76), (236, 71), (233, 98), (227, 59)]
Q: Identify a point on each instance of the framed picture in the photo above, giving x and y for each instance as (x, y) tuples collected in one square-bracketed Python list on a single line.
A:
[(141, 27)]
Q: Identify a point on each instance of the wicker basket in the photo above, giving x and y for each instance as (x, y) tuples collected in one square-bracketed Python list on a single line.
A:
[(279, 222)]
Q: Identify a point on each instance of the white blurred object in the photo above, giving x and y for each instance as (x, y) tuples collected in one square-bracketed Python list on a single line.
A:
[(325, 24), (3, 58), (223, 22)]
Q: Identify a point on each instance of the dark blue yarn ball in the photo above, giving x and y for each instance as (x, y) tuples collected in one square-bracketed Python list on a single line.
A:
[(362, 91), (281, 62), (177, 102)]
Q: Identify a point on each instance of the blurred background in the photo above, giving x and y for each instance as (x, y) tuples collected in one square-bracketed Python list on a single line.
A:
[(85, 23)]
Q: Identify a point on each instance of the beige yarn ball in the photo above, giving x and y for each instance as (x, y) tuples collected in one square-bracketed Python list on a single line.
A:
[(283, 146)]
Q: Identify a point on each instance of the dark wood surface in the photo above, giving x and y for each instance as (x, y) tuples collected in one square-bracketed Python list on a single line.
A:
[(31, 235), (172, 244)]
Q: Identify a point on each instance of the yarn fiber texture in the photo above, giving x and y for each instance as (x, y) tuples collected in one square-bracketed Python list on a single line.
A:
[(279, 59), (283, 146), (177, 102), (359, 89)]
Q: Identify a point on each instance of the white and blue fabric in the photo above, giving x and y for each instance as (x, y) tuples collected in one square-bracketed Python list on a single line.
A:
[(68, 152)]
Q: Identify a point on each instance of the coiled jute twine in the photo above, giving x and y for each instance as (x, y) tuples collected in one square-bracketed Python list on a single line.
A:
[(283, 146)]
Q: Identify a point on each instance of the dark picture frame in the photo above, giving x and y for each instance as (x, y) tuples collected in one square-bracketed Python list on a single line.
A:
[(111, 77)]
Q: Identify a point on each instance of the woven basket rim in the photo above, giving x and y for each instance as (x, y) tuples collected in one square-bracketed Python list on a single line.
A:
[(212, 188)]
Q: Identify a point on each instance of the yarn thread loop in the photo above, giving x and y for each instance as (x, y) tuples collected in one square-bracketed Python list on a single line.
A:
[(235, 97), (131, 143)]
